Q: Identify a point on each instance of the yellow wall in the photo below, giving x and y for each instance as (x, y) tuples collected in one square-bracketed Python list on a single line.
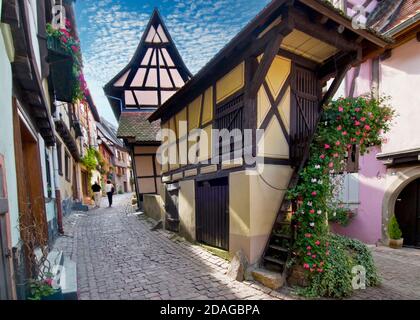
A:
[(275, 142), (186, 203), (253, 207), (230, 83)]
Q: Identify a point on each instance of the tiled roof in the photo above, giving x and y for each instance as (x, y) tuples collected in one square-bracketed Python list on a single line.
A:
[(408, 10), (135, 125), (391, 13)]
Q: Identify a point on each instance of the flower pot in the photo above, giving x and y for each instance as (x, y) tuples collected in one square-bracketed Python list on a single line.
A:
[(58, 295), (396, 243)]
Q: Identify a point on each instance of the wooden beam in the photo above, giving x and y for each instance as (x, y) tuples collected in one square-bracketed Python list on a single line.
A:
[(345, 21), (335, 85), (270, 53), (331, 67), (321, 32)]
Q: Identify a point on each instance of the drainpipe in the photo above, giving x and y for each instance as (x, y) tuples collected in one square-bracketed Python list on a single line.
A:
[(57, 182)]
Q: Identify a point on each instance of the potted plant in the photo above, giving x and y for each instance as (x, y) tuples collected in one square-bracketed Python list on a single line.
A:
[(395, 234), (44, 290)]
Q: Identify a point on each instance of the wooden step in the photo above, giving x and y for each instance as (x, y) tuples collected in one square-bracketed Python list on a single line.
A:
[(282, 235), (278, 248), (274, 260)]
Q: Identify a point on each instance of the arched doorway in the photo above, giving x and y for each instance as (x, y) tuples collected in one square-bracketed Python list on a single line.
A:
[(407, 212)]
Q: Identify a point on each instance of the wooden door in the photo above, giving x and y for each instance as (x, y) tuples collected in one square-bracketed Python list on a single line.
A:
[(5, 271), (407, 212), (212, 212)]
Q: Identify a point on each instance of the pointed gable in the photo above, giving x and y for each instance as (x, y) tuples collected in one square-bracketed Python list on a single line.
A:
[(154, 74)]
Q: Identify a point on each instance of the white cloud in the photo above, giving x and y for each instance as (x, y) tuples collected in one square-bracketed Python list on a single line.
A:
[(112, 32)]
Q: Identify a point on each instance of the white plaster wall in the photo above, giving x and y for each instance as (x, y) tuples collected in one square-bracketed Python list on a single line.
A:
[(6, 134), (400, 79)]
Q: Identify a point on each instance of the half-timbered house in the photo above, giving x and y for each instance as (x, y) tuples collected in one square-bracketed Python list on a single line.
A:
[(154, 74), (273, 75)]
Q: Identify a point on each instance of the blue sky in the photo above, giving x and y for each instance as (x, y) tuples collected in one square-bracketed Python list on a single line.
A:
[(110, 31)]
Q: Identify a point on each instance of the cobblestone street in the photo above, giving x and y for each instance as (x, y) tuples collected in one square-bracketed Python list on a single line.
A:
[(119, 257)]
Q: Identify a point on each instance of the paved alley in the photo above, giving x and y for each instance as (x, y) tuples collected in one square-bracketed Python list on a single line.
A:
[(119, 257)]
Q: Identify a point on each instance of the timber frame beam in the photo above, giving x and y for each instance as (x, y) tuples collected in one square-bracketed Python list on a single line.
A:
[(321, 32), (270, 53)]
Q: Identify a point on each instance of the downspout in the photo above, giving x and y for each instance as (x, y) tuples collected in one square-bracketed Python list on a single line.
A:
[(57, 182)]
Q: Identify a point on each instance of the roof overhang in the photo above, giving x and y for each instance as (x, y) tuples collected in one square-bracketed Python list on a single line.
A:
[(25, 69), (308, 14), (400, 157)]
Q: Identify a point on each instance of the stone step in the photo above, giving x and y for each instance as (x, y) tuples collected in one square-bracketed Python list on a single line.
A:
[(270, 279), (69, 285)]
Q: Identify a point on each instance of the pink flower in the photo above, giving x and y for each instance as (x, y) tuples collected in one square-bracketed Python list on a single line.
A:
[(344, 133), (357, 123), (312, 211), (363, 119), (337, 143), (339, 128), (322, 156), (340, 109), (335, 155), (314, 256), (331, 165), (306, 266), (63, 39), (319, 270), (358, 133), (317, 242), (309, 248), (75, 48), (312, 270), (48, 281), (314, 193), (367, 127), (357, 109), (308, 253), (327, 146), (308, 235)]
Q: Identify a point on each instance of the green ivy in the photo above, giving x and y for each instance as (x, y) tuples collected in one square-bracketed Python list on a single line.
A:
[(336, 280), (345, 122), (92, 161)]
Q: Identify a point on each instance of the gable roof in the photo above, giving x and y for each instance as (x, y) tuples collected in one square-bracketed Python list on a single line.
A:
[(248, 36), (155, 72)]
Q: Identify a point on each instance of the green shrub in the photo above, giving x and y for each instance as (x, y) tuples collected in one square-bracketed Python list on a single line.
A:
[(336, 280), (394, 231)]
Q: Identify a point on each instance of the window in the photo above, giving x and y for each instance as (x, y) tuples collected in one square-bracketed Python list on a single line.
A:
[(47, 169), (353, 160), (60, 158), (67, 166)]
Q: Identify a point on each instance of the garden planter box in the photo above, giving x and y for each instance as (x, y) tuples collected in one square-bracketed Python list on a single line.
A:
[(396, 244)]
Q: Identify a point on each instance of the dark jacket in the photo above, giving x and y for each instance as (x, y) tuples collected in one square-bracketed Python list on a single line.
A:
[(96, 188)]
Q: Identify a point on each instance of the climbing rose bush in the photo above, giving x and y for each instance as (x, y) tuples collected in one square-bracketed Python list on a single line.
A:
[(345, 122)]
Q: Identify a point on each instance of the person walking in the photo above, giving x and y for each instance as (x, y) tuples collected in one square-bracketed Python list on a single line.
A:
[(109, 189), (96, 189)]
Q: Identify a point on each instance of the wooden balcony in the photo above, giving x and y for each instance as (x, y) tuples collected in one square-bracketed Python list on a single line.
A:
[(61, 62)]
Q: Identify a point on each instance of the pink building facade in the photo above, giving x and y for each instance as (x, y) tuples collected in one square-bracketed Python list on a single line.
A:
[(388, 179)]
